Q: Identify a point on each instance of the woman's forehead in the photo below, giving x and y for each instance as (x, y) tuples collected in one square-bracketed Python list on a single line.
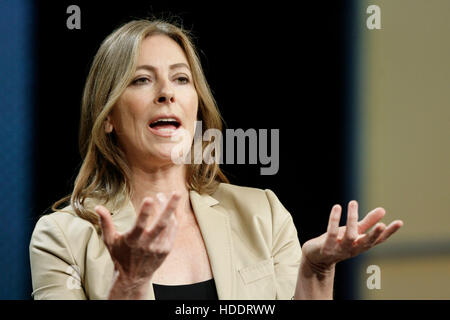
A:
[(161, 51)]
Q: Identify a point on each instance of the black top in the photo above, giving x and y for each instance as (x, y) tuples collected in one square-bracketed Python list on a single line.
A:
[(205, 290)]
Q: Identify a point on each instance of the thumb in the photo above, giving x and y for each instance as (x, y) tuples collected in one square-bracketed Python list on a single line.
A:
[(106, 223)]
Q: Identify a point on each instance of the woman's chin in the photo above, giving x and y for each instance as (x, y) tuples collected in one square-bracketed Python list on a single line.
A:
[(169, 155)]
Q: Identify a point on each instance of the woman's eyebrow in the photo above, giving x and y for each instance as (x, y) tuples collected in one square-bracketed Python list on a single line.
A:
[(171, 67)]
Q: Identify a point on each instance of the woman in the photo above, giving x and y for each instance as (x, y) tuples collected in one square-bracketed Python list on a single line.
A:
[(140, 225)]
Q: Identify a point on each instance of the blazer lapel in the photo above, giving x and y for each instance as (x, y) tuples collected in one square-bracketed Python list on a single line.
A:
[(216, 232)]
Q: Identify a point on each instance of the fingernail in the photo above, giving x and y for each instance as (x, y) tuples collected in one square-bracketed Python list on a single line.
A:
[(161, 197), (175, 195), (148, 201)]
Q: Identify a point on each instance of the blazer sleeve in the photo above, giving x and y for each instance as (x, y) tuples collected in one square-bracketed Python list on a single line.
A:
[(54, 272), (286, 249)]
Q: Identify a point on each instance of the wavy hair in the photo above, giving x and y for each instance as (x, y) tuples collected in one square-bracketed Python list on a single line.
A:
[(104, 172)]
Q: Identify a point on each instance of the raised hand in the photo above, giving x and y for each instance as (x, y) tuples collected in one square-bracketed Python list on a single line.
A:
[(340, 243), (139, 252)]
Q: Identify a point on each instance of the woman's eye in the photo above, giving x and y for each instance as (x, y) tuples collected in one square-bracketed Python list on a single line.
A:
[(140, 81), (183, 80)]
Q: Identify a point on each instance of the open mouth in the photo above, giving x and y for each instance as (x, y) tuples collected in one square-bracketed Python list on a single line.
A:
[(165, 125)]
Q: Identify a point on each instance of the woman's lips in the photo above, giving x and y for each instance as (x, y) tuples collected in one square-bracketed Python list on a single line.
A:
[(166, 130)]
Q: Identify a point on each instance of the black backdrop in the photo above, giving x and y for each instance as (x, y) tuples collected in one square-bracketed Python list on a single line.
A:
[(270, 66)]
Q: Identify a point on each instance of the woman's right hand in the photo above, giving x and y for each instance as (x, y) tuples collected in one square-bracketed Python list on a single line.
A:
[(139, 252)]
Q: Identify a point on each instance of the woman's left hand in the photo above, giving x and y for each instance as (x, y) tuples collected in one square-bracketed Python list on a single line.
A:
[(340, 243)]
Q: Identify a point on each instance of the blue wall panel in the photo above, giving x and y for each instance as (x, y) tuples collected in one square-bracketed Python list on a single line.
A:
[(16, 132)]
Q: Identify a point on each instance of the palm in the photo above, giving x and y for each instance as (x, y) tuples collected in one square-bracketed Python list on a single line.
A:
[(340, 243)]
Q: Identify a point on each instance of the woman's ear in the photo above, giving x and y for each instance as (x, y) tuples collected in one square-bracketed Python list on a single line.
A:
[(108, 124)]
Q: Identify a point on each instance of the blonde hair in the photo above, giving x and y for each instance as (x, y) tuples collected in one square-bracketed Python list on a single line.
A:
[(104, 172)]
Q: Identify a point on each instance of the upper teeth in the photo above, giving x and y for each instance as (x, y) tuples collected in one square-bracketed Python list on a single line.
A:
[(165, 119)]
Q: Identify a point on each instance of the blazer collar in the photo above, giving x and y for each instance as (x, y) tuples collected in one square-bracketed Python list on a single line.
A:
[(216, 232)]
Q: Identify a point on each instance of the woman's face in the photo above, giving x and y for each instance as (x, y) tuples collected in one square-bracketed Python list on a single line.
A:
[(159, 105)]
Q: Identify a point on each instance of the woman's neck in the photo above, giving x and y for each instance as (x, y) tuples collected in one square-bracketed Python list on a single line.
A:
[(162, 180)]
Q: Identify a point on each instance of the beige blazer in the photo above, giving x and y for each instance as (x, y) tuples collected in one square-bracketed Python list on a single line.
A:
[(250, 238)]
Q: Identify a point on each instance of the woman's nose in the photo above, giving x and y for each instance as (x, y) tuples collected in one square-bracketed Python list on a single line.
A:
[(165, 98), (165, 94)]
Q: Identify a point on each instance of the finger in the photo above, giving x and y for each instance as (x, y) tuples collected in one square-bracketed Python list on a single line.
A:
[(162, 198), (391, 229), (164, 241), (170, 207), (368, 240), (333, 226), (371, 219), (146, 211), (106, 224), (173, 228), (351, 231), (162, 220)]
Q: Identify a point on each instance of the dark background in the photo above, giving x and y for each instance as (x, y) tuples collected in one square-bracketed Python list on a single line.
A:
[(271, 66)]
